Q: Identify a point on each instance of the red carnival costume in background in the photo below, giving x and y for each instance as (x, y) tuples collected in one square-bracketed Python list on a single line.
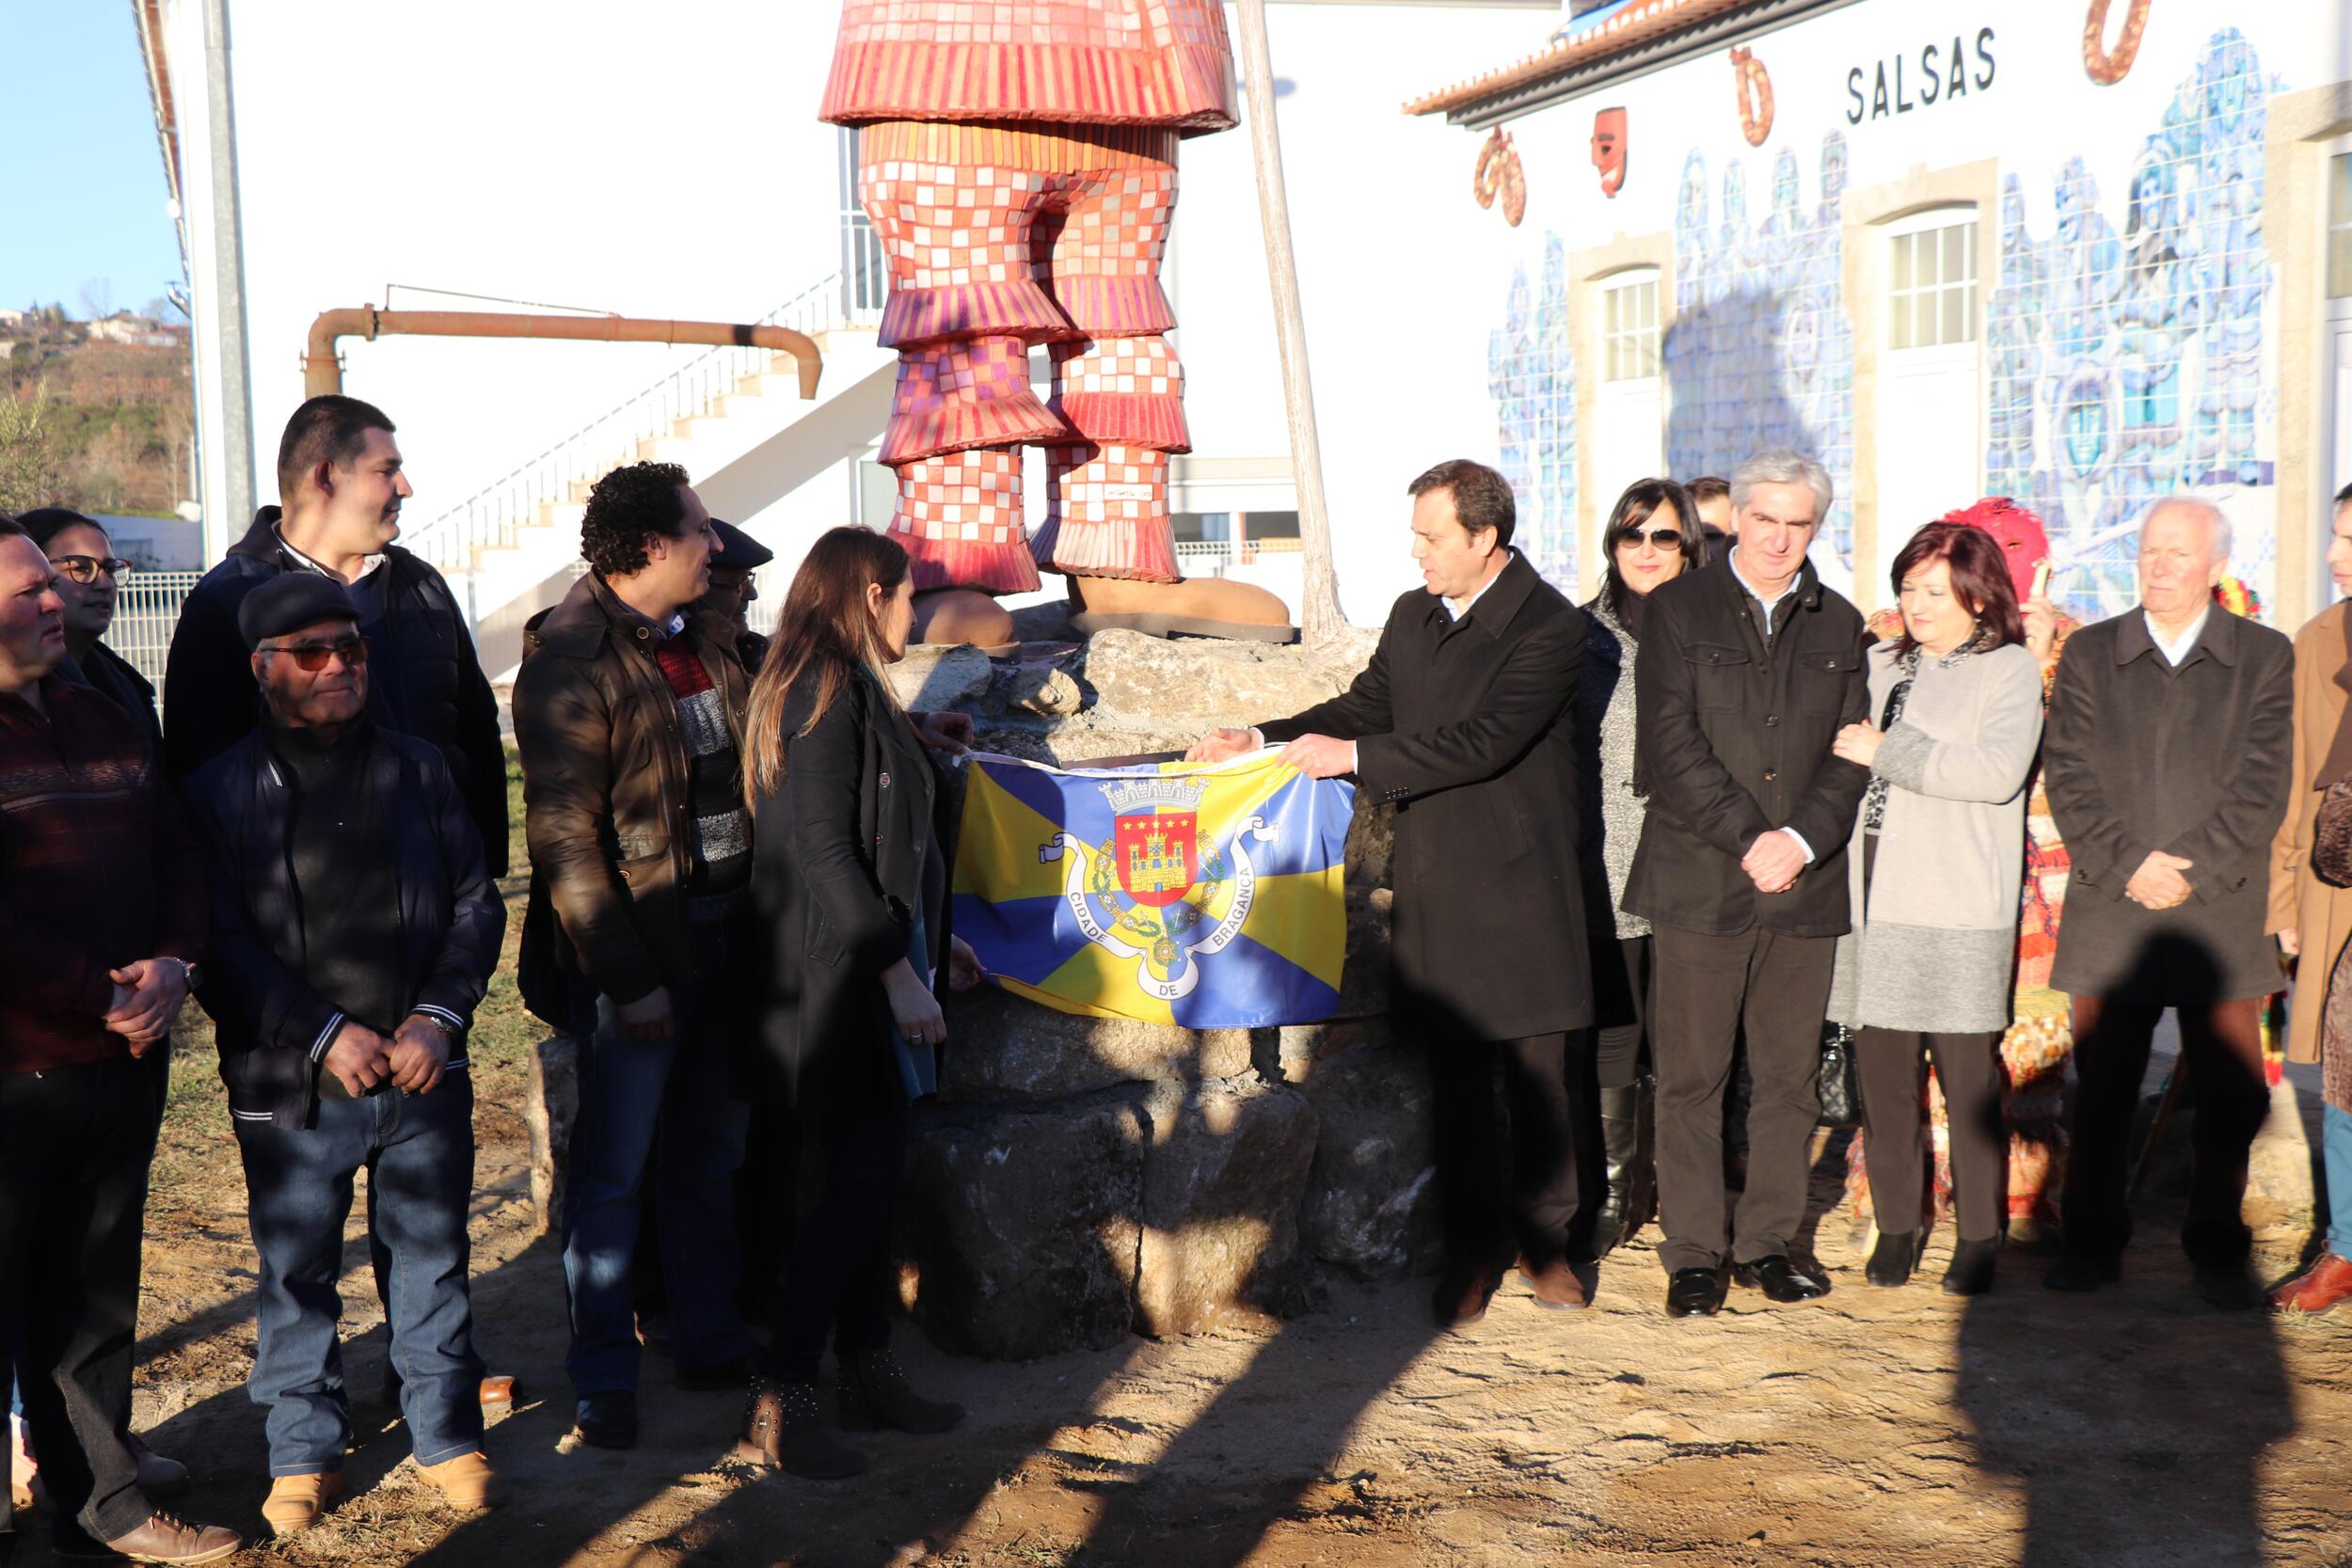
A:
[(1017, 160)]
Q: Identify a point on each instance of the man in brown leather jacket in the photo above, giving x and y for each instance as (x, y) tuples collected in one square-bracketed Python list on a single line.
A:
[(628, 713)]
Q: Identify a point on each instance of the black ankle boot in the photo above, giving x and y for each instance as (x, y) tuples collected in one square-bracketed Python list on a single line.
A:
[(1620, 1139), (1971, 1270), (1894, 1257), (782, 1430), (874, 1393)]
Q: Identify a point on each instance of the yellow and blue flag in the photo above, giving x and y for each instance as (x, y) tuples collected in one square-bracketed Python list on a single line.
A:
[(1203, 895)]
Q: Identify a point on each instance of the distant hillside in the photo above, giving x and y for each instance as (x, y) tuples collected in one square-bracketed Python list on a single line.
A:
[(96, 424)]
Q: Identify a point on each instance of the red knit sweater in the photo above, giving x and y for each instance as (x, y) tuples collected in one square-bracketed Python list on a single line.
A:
[(97, 869)]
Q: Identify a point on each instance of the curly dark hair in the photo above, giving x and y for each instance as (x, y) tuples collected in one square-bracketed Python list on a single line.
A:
[(626, 505)]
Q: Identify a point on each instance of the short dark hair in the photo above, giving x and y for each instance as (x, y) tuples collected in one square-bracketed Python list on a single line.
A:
[(2344, 496), (1640, 502), (331, 429), (9, 527), (1980, 576), (1481, 497), (1709, 488), (44, 523), (631, 501)]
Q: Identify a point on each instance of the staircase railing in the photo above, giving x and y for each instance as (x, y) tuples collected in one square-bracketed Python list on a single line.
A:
[(492, 516)]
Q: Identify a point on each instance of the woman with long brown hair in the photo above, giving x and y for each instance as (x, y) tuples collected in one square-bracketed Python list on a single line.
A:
[(850, 881)]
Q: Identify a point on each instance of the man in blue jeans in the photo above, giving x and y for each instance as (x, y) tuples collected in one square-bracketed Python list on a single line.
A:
[(356, 927), (628, 713)]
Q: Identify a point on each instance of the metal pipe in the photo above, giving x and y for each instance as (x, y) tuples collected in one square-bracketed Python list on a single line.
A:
[(322, 367)]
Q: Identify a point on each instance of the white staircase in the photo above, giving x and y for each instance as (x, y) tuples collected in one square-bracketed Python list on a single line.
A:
[(733, 418)]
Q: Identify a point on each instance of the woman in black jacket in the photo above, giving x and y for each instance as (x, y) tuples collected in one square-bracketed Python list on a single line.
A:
[(849, 878)]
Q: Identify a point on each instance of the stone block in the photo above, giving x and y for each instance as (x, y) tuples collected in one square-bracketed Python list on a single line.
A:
[(1372, 1200), (931, 679), (1020, 1227), (1006, 1047), (1222, 1184), (1364, 981), (1204, 683)]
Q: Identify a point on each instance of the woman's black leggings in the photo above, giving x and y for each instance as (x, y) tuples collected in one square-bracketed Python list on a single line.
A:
[(836, 1277)]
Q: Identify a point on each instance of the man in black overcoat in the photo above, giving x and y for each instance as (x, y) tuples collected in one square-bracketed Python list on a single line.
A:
[(1461, 722), (1749, 668), (2169, 762)]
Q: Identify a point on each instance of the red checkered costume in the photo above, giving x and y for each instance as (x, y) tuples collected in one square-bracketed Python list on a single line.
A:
[(1017, 161)]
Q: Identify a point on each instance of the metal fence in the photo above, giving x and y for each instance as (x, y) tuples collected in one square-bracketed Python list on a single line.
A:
[(147, 608)]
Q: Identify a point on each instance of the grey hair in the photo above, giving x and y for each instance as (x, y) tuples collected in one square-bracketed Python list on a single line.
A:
[(1782, 465), (2218, 536)]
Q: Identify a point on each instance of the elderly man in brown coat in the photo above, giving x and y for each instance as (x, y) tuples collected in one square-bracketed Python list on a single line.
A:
[(2167, 764)]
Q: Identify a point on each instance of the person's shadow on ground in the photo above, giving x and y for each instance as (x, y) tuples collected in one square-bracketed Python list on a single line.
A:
[(2139, 1447)]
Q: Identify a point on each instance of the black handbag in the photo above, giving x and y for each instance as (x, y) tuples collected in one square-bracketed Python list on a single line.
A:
[(1840, 1084)]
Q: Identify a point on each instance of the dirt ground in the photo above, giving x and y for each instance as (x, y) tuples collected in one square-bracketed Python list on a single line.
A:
[(1874, 1428)]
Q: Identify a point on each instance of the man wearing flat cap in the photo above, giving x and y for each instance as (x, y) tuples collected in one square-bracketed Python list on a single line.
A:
[(356, 930)]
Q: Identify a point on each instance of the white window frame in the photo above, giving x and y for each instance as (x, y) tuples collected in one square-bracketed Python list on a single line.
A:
[(1630, 325), (2336, 213), (1960, 293)]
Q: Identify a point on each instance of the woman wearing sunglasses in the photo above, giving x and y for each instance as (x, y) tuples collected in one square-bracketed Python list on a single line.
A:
[(1652, 537), (89, 576)]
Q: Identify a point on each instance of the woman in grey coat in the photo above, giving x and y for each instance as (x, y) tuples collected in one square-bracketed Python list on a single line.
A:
[(1652, 537), (1926, 971)]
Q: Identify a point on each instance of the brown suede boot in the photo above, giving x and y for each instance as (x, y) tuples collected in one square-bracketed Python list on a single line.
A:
[(467, 1481), (295, 1502), (946, 616), (1197, 607)]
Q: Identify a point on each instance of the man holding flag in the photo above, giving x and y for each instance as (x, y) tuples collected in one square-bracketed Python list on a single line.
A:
[(1461, 721)]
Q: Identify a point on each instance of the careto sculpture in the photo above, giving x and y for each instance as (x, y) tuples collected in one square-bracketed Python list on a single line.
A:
[(1018, 162)]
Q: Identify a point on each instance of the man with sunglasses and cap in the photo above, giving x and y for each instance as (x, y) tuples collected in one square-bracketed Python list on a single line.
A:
[(356, 927)]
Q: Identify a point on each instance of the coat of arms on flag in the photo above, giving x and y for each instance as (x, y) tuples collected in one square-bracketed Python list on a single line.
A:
[(1209, 897)]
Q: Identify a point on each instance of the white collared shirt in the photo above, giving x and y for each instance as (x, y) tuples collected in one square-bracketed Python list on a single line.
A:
[(1771, 604), (2176, 649), (1768, 605), (1468, 603), (366, 566)]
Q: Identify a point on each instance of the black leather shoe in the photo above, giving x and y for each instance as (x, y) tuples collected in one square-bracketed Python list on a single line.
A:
[(608, 1421), (2231, 1286), (1894, 1257), (1780, 1279), (1971, 1270), (2083, 1270), (1695, 1293)]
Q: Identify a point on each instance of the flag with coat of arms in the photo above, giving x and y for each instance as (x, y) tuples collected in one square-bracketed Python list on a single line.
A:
[(1208, 895)]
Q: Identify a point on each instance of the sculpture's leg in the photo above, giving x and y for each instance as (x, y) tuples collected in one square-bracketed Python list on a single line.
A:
[(955, 224), (1122, 389)]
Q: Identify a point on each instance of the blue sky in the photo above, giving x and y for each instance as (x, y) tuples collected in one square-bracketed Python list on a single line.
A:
[(84, 197)]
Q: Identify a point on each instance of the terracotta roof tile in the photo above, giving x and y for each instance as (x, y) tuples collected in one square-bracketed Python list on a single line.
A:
[(1634, 25)]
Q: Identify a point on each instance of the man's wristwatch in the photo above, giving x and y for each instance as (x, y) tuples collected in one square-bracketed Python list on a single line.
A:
[(190, 975), (442, 1024)]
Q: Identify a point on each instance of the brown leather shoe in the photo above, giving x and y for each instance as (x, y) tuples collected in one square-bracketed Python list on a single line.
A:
[(1463, 1292), (165, 1538), (1554, 1283), (2327, 1282)]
